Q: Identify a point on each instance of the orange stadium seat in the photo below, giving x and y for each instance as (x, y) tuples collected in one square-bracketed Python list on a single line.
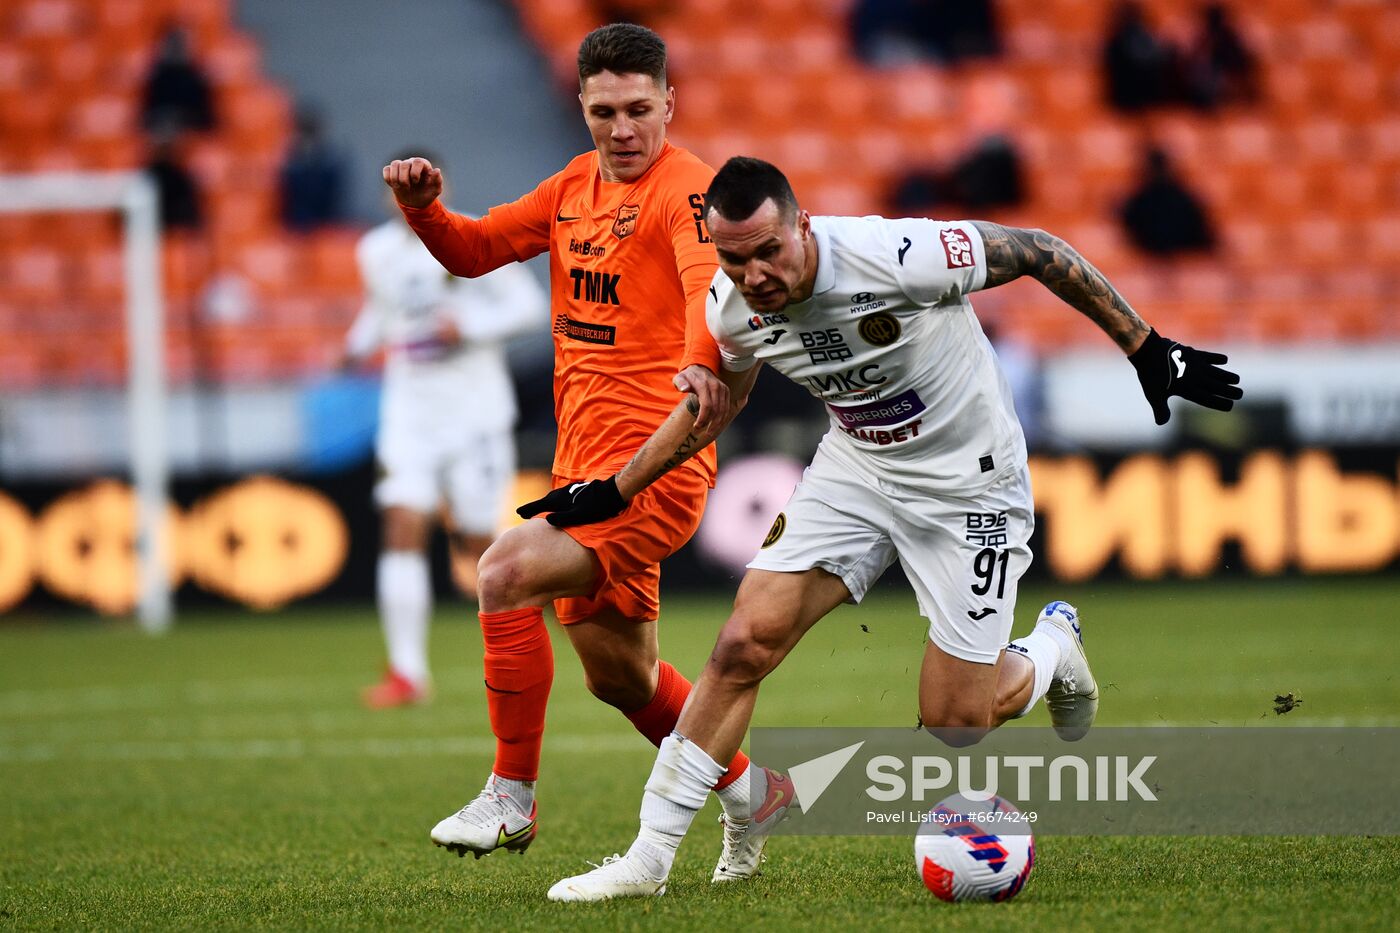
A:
[(1319, 241), (333, 269), (1252, 244), (1324, 37), (232, 59), (31, 19), (1380, 240)]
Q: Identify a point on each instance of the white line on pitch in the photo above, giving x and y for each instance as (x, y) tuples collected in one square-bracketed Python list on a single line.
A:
[(250, 749), (114, 698)]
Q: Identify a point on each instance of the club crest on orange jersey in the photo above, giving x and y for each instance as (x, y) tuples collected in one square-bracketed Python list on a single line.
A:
[(626, 221)]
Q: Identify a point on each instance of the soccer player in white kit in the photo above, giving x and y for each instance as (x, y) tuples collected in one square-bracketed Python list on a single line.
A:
[(924, 462), (445, 425)]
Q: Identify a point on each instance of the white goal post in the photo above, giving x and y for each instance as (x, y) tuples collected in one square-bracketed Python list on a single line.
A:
[(134, 195)]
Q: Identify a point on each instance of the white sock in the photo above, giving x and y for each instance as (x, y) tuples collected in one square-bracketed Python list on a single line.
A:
[(522, 792), (681, 779), (405, 600), (1062, 640), (1042, 649), (737, 797)]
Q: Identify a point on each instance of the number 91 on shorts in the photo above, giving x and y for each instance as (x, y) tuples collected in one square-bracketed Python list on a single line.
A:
[(963, 554)]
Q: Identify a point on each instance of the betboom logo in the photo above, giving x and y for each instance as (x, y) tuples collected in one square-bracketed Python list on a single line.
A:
[(586, 248)]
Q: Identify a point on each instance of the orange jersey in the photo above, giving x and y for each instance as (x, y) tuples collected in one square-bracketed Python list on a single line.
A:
[(630, 264)]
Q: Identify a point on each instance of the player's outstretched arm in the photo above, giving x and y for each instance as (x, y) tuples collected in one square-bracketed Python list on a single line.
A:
[(674, 442), (1164, 367)]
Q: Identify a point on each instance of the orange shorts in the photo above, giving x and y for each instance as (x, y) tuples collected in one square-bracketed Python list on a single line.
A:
[(631, 547)]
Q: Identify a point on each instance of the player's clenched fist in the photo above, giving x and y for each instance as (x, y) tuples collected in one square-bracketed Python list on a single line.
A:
[(415, 182)]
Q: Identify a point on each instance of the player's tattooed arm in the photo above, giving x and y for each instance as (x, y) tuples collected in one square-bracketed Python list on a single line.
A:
[(1015, 251), (693, 444), (677, 440)]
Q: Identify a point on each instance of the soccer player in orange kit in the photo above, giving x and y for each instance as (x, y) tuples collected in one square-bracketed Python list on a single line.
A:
[(630, 265)]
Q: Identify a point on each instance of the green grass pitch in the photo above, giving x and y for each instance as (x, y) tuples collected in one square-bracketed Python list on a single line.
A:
[(224, 776)]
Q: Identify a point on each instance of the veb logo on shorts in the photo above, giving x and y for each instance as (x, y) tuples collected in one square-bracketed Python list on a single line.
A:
[(957, 246)]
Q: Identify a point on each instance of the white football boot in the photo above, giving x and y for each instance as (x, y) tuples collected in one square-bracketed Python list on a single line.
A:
[(492, 821), (744, 840), (619, 876), (1073, 697)]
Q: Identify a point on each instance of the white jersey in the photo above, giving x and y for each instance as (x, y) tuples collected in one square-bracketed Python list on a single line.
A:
[(408, 297), (889, 342)]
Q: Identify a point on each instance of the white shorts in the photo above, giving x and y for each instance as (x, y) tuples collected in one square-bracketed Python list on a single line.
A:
[(474, 473), (963, 556)]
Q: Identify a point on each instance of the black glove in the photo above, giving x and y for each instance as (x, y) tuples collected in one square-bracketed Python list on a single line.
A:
[(1166, 368), (578, 503)]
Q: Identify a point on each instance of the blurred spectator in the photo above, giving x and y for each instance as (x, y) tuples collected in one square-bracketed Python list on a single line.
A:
[(1219, 66), (920, 192), (312, 180), (1139, 67), (893, 32), (987, 176), (642, 12), (180, 204), (177, 95), (1162, 216)]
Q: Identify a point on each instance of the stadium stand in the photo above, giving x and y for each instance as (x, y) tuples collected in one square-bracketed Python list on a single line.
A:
[(71, 77), (1302, 185)]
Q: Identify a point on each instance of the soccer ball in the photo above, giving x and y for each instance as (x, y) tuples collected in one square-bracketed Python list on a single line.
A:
[(974, 850)]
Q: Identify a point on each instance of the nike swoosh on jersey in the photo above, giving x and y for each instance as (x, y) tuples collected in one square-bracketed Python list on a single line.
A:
[(560, 218)]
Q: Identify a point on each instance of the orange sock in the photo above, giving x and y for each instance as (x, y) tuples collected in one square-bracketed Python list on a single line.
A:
[(519, 672), (658, 718)]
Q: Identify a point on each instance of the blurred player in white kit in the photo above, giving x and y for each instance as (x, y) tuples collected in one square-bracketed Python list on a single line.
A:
[(446, 419)]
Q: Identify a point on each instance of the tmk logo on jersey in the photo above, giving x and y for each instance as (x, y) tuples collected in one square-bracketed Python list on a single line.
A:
[(957, 246), (760, 321), (599, 287), (626, 220), (586, 248)]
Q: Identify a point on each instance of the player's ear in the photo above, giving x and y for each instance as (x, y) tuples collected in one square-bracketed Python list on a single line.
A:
[(804, 224), (670, 105)]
